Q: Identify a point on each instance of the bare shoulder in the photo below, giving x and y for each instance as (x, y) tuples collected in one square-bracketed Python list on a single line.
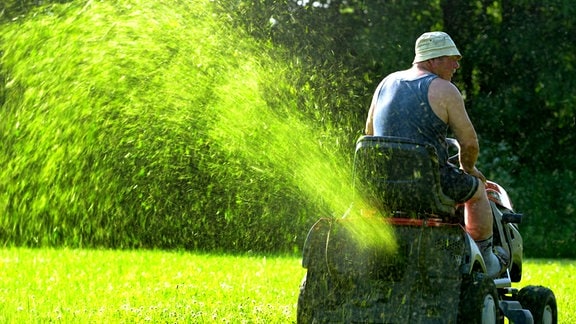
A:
[(442, 88), (445, 100)]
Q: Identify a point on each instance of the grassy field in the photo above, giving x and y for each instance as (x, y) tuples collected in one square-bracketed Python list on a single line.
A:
[(559, 275), (98, 286), (82, 286)]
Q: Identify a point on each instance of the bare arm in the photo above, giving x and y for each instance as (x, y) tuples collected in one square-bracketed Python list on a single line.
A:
[(370, 121), (447, 103), (369, 130)]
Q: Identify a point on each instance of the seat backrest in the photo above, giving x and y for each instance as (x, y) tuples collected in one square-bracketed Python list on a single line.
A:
[(399, 175)]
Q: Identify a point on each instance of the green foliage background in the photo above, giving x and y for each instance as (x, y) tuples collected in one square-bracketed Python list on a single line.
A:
[(229, 125)]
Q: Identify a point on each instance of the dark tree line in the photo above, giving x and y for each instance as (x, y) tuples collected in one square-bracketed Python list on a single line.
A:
[(516, 72)]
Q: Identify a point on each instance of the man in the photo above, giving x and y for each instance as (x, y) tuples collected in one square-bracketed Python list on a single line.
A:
[(422, 103)]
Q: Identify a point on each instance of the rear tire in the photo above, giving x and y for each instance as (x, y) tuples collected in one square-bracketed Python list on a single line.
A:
[(479, 302), (541, 302), (304, 311), (317, 293)]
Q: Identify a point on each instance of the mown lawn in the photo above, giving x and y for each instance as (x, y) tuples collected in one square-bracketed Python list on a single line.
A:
[(98, 286), (560, 276)]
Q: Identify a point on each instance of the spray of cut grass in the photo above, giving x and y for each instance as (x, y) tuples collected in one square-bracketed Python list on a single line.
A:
[(115, 113), (97, 116), (279, 135)]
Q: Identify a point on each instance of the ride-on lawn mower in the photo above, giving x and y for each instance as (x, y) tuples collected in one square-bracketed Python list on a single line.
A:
[(435, 272)]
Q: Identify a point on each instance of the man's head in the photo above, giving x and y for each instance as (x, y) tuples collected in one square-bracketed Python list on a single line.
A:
[(433, 45)]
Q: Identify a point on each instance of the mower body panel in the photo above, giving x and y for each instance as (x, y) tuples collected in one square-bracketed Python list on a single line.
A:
[(407, 258)]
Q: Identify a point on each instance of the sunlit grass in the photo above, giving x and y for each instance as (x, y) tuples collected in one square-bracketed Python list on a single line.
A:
[(558, 275), (102, 286), (91, 286)]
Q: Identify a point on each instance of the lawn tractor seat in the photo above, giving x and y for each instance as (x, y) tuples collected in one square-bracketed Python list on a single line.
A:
[(400, 176)]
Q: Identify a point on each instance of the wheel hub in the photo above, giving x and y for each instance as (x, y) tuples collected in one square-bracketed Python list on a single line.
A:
[(489, 310), (547, 316)]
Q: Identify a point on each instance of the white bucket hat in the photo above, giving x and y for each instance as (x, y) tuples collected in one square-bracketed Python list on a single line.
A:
[(434, 44)]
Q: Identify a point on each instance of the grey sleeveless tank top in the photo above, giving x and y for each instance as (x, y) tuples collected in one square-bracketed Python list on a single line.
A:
[(402, 109)]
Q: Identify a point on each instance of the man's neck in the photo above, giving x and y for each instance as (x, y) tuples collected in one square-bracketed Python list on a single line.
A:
[(422, 68)]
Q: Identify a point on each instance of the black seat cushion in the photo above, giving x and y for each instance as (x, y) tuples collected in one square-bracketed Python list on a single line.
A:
[(398, 174)]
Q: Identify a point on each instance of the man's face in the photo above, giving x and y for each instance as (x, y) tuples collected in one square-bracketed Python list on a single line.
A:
[(445, 66)]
